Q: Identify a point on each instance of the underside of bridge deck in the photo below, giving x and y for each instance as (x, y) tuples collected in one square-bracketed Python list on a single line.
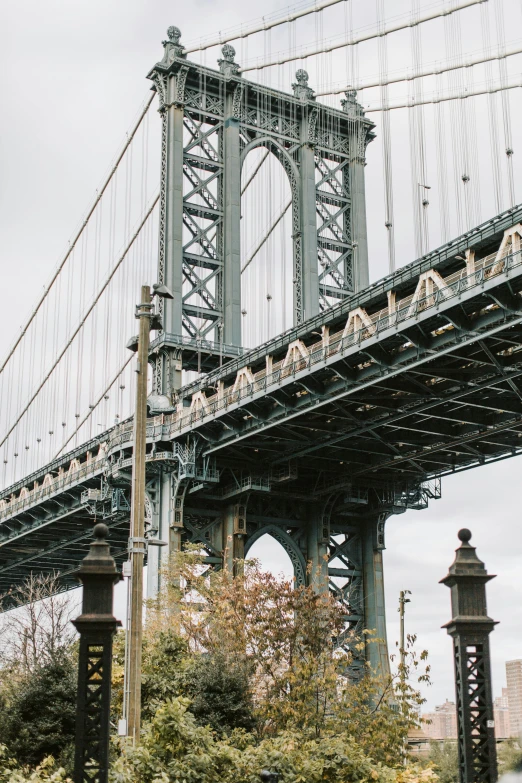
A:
[(318, 449)]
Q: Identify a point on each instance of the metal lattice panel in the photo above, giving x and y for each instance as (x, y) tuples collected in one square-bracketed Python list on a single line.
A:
[(211, 120)]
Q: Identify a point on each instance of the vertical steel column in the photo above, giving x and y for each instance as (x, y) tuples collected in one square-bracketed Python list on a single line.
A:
[(361, 274), (317, 550), (170, 272), (360, 135), (156, 554), (234, 532), (372, 537), (171, 92), (96, 626), (232, 217), (309, 275), (172, 275), (470, 627)]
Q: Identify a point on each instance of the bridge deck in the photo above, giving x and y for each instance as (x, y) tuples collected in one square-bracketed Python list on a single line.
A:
[(407, 394)]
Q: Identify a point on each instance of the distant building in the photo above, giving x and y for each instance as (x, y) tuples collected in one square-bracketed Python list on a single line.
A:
[(501, 715), (514, 694), (443, 722)]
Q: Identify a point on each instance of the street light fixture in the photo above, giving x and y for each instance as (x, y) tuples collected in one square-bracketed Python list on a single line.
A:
[(137, 542)]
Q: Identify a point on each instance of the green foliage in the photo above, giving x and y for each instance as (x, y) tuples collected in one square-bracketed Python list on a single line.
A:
[(278, 670), (220, 694), (239, 674), (39, 713), (509, 755), (165, 660), (444, 757), (46, 772), (175, 748)]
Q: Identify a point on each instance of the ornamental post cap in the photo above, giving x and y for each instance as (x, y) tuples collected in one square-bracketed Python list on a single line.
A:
[(173, 47), (300, 86), (350, 104), (99, 558), (466, 563), (174, 34), (227, 64), (228, 53)]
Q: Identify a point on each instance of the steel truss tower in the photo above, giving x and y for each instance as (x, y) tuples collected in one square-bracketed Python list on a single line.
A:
[(211, 120)]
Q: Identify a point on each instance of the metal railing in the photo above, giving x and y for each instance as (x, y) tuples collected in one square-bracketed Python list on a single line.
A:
[(169, 425)]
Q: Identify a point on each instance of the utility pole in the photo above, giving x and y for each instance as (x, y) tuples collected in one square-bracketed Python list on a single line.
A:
[(137, 542), (402, 605), (402, 672)]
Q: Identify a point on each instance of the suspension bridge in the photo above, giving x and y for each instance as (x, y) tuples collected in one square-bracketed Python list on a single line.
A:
[(289, 395)]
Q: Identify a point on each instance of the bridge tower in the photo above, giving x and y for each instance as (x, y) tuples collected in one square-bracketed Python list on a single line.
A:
[(211, 119)]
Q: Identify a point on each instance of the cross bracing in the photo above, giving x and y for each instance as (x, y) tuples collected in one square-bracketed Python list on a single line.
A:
[(211, 120)]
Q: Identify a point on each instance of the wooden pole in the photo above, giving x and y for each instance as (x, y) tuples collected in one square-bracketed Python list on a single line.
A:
[(137, 540)]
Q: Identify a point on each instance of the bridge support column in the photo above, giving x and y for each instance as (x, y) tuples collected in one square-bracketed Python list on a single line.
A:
[(309, 272), (167, 364), (361, 275), (157, 556), (232, 226), (234, 530), (372, 537), (317, 551), (360, 136)]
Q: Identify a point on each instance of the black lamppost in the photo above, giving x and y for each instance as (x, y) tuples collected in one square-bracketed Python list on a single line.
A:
[(96, 626), (470, 627)]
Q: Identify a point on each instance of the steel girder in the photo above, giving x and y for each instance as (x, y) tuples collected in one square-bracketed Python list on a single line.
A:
[(365, 432)]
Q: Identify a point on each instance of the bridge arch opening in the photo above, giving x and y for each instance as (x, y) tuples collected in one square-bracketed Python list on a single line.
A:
[(268, 552), (267, 252)]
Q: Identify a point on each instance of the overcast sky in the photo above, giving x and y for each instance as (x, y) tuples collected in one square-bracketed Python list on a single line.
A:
[(71, 80)]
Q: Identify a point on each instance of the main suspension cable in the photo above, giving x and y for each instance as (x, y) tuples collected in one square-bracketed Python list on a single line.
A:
[(259, 27), (464, 93), (335, 44), (433, 70)]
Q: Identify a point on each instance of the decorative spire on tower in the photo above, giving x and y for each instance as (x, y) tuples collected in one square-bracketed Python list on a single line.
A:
[(301, 88), (227, 64), (351, 105), (172, 46)]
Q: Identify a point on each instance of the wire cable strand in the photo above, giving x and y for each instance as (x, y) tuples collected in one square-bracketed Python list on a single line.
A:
[(329, 47), (79, 233), (84, 319), (234, 35)]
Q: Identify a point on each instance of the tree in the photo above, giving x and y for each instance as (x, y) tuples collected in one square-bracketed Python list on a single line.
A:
[(39, 714), (175, 748), (38, 627), (38, 673), (444, 757), (280, 639), (220, 695), (509, 755)]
